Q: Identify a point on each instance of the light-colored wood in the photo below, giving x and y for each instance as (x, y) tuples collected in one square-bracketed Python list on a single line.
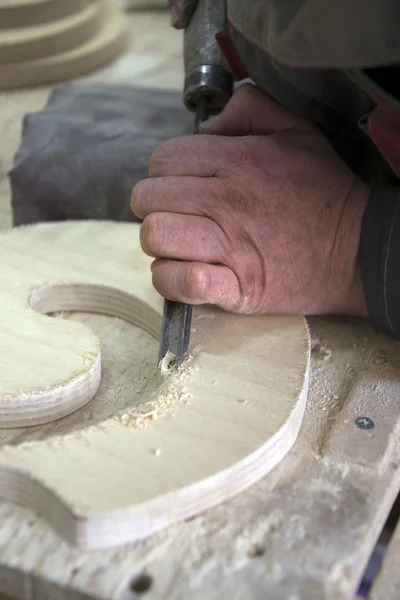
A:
[(306, 531), (24, 13), (387, 584), (224, 422), (76, 46), (40, 41)]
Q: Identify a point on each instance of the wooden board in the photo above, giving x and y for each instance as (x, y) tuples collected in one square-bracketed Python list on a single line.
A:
[(186, 442), (48, 39)]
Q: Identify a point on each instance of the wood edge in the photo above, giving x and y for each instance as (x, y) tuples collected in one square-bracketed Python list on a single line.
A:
[(386, 586), (39, 408), (28, 12), (133, 523), (99, 51), (81, 26)]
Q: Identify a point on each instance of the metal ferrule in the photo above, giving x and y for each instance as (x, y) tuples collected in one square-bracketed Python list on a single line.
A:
[(210, 82)]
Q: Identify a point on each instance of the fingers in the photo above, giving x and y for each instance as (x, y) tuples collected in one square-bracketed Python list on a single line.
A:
[(184, 195), (181, 12), (252, 112), (181, 237), (197, 155), (197, 283)]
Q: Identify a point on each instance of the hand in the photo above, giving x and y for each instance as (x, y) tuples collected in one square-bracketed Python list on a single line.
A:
[(258, 216), (181, 12)]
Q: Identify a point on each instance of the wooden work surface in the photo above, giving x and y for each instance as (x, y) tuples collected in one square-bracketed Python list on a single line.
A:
[(308, 529)]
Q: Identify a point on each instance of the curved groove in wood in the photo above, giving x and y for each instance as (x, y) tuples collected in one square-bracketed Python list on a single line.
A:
[(50, 39), (43, 407), (99, 299), (236, 408)]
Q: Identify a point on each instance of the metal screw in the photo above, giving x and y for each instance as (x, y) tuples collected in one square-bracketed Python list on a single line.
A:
[(365, 423)]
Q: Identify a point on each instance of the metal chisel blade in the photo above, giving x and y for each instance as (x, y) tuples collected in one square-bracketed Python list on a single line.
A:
[(175, 333), (177, 316)]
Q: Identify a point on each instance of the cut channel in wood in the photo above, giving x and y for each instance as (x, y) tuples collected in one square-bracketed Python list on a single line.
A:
[(198, 438)]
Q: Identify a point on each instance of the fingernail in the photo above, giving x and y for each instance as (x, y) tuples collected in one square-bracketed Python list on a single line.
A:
[(175, 16), (208, 124)]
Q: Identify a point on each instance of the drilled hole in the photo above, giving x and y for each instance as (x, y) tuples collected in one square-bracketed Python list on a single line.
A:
[(141, 584)]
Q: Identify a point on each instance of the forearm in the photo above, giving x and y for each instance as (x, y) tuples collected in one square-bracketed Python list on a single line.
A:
[(380, 259)]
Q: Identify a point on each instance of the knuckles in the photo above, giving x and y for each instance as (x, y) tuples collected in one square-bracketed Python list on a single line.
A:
[(162, 155)]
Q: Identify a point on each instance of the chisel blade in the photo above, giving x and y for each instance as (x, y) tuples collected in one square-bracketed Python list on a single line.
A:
[(177, 317), (175, 334)]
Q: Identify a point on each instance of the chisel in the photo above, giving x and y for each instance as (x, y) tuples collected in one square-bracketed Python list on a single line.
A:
[(207, 89)]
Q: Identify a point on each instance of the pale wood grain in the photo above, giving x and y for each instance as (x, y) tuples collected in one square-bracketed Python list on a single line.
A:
[(222, 424), (305, 531)]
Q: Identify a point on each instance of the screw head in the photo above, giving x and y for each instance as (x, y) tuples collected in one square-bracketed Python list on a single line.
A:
[(365, 423)]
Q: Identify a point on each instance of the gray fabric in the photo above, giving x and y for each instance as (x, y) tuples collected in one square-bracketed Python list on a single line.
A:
[(82, 154), (321, 33)]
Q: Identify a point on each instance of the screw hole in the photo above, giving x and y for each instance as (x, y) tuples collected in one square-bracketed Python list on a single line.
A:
[(365, 423), (141, 584)]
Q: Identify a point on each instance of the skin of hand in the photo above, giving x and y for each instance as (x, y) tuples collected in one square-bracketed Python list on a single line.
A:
[(181, 12), (258, 216)]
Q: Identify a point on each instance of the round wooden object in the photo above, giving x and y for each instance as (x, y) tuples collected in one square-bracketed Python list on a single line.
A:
[(49, 39), (24, 13), (63, 49), (195, 439)]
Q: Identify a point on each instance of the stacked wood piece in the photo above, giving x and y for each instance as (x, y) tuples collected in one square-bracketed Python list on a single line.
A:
[(47, 41)]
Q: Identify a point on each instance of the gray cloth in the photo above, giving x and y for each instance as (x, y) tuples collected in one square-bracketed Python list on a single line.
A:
[(82, 154)]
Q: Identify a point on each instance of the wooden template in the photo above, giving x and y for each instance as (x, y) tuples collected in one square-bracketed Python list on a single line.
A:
[(48, 51), (48, 39), (169, 449), (24, 13)]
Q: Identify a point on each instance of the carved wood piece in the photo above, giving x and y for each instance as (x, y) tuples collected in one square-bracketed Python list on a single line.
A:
[(190, 441)]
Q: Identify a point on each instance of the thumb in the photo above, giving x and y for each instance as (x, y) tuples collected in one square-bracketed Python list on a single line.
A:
[(181, 12), (252, 112)]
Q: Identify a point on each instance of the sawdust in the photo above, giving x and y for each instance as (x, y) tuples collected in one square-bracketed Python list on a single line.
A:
[(165, 363), (320, 351), (338, 353), (173, 392)]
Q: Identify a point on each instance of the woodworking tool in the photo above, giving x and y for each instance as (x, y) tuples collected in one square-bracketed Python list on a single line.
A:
[(207, 88)]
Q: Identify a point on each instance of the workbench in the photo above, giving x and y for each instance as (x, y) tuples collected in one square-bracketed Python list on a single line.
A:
[(306, 531)]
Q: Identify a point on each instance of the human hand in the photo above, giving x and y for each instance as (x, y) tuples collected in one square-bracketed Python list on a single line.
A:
[(259, 216), (181, 12)]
